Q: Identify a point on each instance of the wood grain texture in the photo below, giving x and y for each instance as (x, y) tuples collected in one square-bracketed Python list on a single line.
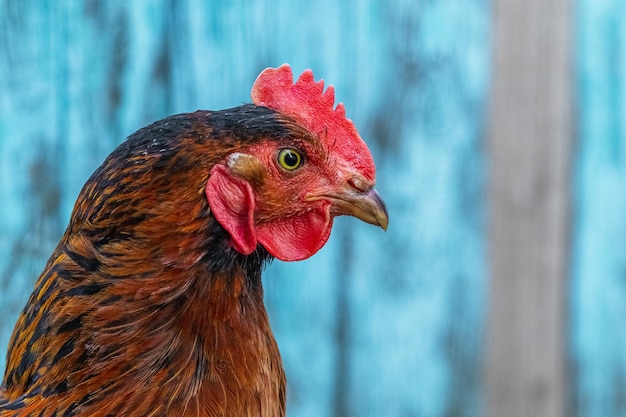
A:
[(77, 77), (598, 294), (530, 141)]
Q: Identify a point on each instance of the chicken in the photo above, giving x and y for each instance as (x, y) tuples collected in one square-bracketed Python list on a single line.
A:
[(152, 302)]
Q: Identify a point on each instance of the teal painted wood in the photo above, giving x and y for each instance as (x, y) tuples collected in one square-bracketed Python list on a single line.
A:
[(375, 324), (598, 305)]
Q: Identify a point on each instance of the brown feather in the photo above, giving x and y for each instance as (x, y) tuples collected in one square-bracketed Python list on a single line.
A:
[(144, 308), (152, 303)]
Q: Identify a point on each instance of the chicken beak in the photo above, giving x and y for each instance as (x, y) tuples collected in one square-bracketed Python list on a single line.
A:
[(364, 205)]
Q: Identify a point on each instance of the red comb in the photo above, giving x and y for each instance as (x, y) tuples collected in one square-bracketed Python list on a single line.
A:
[(307, 102)]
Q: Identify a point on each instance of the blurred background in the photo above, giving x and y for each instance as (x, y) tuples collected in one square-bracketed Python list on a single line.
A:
[(499, 132)]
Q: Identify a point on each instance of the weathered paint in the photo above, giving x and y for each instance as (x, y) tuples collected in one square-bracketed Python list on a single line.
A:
[(375, 324), (598, 285)]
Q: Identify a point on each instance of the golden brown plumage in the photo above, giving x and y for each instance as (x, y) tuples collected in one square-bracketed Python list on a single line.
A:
[(152, 303)]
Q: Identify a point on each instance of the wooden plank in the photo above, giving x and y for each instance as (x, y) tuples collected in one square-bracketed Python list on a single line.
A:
[(530, 140), (598, 304), (377, 323)]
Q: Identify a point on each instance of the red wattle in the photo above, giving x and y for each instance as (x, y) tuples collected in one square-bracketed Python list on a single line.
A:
[(292, 238), (297, 237)]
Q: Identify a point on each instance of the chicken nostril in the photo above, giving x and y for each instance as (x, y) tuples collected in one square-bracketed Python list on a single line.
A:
[(358, 184)]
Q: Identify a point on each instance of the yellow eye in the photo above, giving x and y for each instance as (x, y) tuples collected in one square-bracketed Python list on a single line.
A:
[(289, 159)]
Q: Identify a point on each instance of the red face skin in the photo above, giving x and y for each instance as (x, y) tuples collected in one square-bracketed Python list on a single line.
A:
[(290, 213)]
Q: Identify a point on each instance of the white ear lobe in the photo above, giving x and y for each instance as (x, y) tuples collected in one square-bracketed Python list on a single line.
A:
[(234, 159)]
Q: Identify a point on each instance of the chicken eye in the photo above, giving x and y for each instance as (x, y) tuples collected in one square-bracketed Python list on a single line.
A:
[(289, 159)]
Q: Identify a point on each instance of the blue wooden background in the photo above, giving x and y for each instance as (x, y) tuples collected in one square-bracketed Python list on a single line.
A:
[(376, 324), (598, 266)]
